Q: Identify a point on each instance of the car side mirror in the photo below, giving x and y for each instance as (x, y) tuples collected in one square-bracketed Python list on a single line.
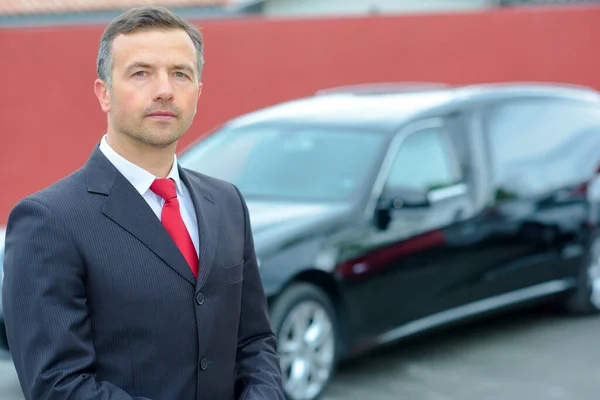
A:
[(396, 199)]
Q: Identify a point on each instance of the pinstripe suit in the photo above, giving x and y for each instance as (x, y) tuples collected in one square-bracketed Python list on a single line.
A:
[(100, 304)]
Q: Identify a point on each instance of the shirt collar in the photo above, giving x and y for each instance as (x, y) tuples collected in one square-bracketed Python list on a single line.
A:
[(136, 175)]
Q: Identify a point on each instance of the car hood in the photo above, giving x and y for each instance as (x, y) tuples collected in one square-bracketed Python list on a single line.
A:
[(275, 221)]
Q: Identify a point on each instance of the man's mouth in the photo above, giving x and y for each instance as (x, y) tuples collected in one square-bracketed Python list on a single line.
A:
[(162, 115)]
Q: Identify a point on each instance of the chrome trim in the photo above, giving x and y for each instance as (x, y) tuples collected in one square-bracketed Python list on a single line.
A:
[(474, 308), (447, 192)]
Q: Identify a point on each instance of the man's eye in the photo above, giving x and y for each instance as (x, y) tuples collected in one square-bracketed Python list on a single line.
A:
[(180, 75), (140, 73)]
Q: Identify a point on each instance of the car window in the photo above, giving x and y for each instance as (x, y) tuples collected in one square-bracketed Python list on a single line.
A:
[(537, 146), (424, 161)]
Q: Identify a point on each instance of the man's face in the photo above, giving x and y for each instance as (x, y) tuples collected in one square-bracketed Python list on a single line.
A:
[(155, 86)]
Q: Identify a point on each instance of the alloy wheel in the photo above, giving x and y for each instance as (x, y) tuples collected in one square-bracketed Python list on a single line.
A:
[(306, 347)]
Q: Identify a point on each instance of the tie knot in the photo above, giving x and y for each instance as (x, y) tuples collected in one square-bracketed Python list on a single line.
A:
[(165, 188)]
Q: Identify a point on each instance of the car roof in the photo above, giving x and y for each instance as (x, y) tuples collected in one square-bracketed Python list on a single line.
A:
[(388, 105)]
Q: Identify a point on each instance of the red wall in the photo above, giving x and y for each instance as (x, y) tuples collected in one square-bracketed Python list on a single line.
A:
[(50, 118)]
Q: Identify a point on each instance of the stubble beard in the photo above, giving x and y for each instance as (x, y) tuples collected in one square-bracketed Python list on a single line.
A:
[(157, 137), (154, 134)]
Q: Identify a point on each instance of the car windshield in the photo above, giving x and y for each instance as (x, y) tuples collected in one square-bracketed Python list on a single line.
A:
[(289, 162)]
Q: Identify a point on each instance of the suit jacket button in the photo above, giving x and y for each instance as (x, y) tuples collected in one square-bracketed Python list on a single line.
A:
[(203, 364), (200, 298)]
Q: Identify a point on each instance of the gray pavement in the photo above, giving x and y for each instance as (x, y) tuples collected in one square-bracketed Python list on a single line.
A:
[(532, 355)]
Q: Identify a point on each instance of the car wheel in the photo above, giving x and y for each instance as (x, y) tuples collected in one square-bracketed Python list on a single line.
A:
[(585, 298), (305, 323)]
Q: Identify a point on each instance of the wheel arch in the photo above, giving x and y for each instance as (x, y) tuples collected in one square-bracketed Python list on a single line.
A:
[(327, 283)]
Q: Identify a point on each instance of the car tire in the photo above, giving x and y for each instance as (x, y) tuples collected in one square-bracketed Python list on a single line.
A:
[(306, 325), (584, 299)]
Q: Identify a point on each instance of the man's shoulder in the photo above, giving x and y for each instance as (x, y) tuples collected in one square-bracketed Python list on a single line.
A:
[(60, 194)]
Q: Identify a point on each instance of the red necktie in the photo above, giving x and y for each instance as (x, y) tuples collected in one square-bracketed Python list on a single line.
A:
[(173, 223)]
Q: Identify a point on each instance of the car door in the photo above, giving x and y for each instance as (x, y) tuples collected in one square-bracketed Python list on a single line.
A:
[(541, 154), (416, 261)]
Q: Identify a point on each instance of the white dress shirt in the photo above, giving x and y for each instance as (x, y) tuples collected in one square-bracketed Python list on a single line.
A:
[(141, 181)]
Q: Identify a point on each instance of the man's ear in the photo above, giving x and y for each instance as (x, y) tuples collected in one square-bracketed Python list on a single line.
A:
[(103, 94), (198, 98)]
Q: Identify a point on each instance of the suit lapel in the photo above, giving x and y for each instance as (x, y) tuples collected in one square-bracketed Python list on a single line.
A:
[(207, 214), (128, 209)]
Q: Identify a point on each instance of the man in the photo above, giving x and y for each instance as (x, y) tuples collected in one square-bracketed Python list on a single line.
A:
[(133, 278)]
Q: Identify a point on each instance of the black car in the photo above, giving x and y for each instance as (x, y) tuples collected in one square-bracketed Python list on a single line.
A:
[(383, 211)]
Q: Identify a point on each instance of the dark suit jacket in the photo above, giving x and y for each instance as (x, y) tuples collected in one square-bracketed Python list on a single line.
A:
[(100, 303)]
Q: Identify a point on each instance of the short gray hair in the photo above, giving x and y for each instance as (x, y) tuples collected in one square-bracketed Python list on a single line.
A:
[(143, 18)]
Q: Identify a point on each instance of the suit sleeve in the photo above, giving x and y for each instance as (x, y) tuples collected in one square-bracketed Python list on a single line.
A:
[(47, 321), (258, 369)]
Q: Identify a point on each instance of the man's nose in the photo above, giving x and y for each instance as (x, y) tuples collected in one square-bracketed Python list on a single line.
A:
[(164, 88)]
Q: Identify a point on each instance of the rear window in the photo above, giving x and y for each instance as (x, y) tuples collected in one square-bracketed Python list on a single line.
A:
[(537, 146)]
